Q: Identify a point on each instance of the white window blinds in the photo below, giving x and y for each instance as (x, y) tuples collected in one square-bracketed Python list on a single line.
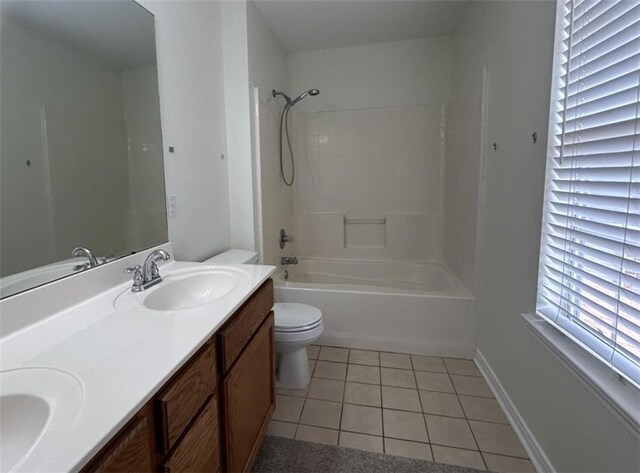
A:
[(589, 281)]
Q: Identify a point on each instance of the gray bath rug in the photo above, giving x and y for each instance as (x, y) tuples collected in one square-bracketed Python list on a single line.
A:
[(282, 455)]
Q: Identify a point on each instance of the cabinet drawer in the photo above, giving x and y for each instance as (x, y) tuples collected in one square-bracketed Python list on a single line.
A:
[(185, 395), (199, 450), (236, 333), (130, 451), (249, 400)]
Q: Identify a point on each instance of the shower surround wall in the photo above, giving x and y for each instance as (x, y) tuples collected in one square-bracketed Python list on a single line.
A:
[(369, 183), (370, 150)]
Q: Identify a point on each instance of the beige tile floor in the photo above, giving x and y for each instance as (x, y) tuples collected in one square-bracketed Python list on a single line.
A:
[(432, 408)]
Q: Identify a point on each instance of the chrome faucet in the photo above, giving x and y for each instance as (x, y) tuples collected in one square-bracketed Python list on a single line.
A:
[(148, 274), (83, 251), (288, 260)]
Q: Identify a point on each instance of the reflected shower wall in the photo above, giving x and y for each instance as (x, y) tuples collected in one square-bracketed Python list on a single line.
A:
[(81, 151), (85, 151), (147, 217)]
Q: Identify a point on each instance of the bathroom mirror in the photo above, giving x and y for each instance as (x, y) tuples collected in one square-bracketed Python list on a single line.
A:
[(81, 161)]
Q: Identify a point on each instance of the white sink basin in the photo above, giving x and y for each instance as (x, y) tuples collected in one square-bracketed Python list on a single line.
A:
[(184, 289), (24, 418), (191, 290), (38, 407)]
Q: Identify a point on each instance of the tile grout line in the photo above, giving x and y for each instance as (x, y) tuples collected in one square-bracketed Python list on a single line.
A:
[(475, 440), (344, 388), (465, 417), (424, 418), (306, 394), (404, 387), (384, 446)]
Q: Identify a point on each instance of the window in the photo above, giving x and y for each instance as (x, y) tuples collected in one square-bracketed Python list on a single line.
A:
[(589, 279)]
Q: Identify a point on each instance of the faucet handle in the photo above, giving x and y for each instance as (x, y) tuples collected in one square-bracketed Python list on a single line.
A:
[(284, 238), (137, 277)]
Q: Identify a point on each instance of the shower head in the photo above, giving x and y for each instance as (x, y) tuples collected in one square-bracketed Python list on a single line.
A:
[(291, 102), (311, 92)]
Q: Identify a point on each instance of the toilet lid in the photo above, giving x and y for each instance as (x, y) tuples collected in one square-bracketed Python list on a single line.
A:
[(291, 317)]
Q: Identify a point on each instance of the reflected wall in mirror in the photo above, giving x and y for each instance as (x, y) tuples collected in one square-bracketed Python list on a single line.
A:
[(81, 161)]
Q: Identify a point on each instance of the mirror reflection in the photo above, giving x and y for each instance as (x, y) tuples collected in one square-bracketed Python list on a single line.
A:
[(81, 164)]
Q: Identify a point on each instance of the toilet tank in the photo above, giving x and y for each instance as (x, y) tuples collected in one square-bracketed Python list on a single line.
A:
[(234, 257)]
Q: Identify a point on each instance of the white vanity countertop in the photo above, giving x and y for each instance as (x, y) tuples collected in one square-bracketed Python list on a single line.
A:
[(121, 358)]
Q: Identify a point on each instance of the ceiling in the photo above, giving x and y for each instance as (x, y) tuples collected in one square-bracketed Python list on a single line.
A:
[(306, 25), (119, 32)]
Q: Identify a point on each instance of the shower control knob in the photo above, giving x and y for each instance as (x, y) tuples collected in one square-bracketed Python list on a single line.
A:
[(284, 238)]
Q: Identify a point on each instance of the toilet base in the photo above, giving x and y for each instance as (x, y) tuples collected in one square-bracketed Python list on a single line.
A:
[(293, 369)]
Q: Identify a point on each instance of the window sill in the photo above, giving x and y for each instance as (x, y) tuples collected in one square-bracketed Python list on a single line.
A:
[(622, 400)]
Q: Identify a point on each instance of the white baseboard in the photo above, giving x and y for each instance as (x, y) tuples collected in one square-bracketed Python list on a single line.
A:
[(529, 442)]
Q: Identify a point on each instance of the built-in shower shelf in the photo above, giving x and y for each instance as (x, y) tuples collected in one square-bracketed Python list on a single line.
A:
[(365, 233)]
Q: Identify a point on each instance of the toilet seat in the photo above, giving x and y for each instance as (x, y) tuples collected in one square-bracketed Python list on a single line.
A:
[(292, 317)]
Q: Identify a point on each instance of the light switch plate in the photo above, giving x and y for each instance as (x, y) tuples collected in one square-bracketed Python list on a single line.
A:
[(171, 205)]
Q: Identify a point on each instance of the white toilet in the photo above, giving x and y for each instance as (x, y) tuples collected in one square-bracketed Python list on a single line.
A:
[(234, 257), (296, 327)]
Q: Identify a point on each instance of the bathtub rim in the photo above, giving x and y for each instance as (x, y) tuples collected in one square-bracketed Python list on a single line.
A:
[(459, 292)]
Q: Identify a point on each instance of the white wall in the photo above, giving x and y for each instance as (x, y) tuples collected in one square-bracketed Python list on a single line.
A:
[(62, 111), (369, 150), (274, 200), (238, 122), (268, 67), (372, 76), (576, 432), (189, 44)]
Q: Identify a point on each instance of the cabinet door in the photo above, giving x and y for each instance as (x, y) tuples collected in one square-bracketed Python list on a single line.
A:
[(199, 450), (249, 399), (130, 452)]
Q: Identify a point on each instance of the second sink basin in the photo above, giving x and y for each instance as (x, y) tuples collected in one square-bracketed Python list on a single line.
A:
[(38, 408), (24, 418)]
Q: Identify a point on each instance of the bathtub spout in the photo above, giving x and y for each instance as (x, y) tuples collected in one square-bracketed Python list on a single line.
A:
[(288, 260)]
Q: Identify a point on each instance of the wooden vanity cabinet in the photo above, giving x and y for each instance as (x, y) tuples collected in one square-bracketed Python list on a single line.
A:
[(249, 400), (247, 388), (212, 415)]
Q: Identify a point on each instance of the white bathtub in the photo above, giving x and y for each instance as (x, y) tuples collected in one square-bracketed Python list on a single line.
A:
[(417, 308)]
